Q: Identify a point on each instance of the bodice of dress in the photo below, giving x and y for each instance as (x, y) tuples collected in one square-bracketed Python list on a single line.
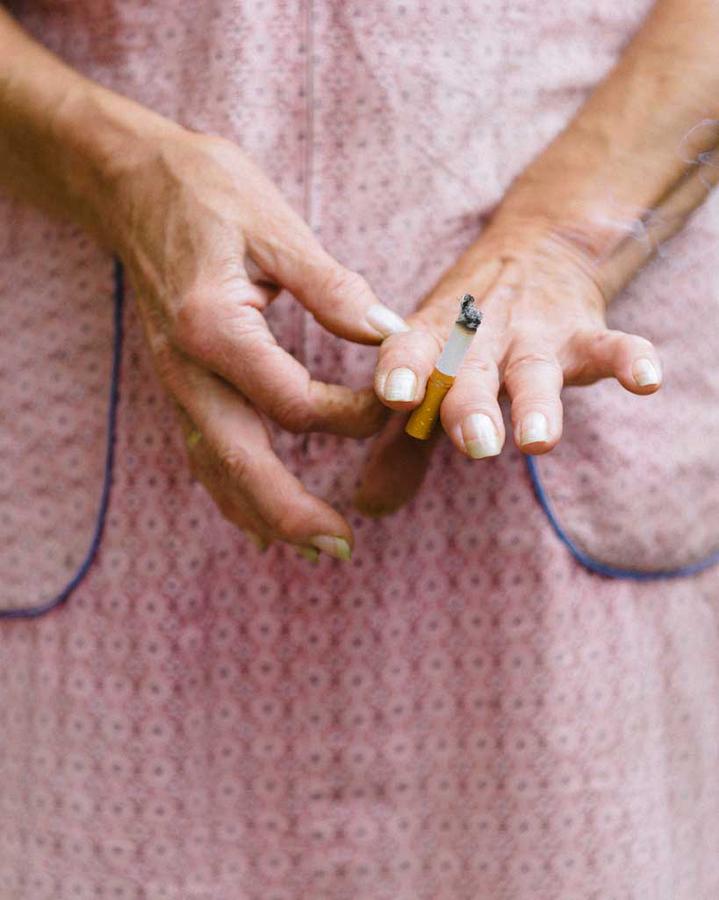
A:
[(395, 130)]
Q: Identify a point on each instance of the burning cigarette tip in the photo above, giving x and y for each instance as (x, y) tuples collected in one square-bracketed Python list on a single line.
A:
[(469, 316)]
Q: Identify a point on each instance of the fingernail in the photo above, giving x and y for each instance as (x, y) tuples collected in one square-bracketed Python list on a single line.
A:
[(401, 384), (645, 373), (332, 546), (480, 436), (385, 321), (535, 429), (310, 553)]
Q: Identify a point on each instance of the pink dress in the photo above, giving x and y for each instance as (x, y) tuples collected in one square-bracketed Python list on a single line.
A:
[(465, 711)]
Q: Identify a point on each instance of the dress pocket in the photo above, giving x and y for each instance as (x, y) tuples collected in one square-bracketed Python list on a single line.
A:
[(634, 486), (60, 344)]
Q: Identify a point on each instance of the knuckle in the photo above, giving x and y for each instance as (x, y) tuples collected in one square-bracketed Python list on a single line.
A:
[(192, 329), (218, 150), (419, 343), (345, 283), (600, 339), (460, 403), (293, 414), (235, 464), (435, 320), (606, 342), (642, 344), (478, 367), (202, 325), (519, 363), (286, 521)]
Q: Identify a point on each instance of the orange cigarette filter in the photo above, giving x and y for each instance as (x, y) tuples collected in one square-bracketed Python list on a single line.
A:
[(422, 421), (424, 417)]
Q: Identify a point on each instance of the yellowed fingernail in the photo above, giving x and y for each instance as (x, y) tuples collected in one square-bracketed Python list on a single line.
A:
[(309, 553), (332, 546)]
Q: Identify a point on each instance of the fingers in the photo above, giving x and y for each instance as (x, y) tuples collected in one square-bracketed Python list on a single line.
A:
[(631, 359), (405, 362), (394, 470), (232, 338), (470, 412), (203, 465), (286, 252), (533, 378), (533, 374), (340, 300), (245, 477)]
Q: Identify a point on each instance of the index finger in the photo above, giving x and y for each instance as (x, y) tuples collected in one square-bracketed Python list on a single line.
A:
[(272, 498), (233, 339)]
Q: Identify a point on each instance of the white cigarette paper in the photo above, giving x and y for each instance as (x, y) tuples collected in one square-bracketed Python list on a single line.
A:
[(457, 345)]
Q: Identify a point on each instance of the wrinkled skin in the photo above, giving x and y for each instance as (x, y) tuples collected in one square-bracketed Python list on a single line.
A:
[(544, 303), (208, 242)]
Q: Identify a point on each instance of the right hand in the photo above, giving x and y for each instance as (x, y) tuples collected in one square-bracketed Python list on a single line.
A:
[(208, 241)]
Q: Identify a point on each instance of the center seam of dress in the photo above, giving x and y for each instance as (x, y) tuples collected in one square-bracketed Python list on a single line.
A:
[(302, 329), (309, 152)]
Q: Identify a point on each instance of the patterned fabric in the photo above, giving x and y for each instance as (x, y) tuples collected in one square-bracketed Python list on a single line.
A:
[(460, 713)]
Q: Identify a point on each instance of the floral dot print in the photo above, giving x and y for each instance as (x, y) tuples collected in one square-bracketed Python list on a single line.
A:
[(463, 711)]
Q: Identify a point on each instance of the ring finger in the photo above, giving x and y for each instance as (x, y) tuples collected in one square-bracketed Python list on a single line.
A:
[(533, 378), (204, 465)]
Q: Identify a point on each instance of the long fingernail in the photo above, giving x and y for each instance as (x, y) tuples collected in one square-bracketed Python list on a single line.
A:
[(535, 429), (310, 553), (401, 384), (332, 546), (480, 436), (385, 321), (645, 373)]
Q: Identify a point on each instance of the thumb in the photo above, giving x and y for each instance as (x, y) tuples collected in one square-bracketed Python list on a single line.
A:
[(339, 299)]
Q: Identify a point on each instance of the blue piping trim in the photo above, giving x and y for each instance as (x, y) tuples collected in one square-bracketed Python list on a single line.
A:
[(32, 612), (595, 565)]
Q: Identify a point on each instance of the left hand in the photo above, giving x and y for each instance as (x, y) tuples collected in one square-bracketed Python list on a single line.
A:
[(544, 301)]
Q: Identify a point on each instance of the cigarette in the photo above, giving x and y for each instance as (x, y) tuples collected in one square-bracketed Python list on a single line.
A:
[(424, 417)]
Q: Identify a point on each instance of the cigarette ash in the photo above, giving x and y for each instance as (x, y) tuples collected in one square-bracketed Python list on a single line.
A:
[(469, 317)]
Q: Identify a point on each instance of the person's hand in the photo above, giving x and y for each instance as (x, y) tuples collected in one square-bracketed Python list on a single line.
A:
[(544, 326), (208, 242)]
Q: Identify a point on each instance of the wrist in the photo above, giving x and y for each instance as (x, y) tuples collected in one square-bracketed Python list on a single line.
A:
[(567, 205), (103, 140), (540, 239)]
